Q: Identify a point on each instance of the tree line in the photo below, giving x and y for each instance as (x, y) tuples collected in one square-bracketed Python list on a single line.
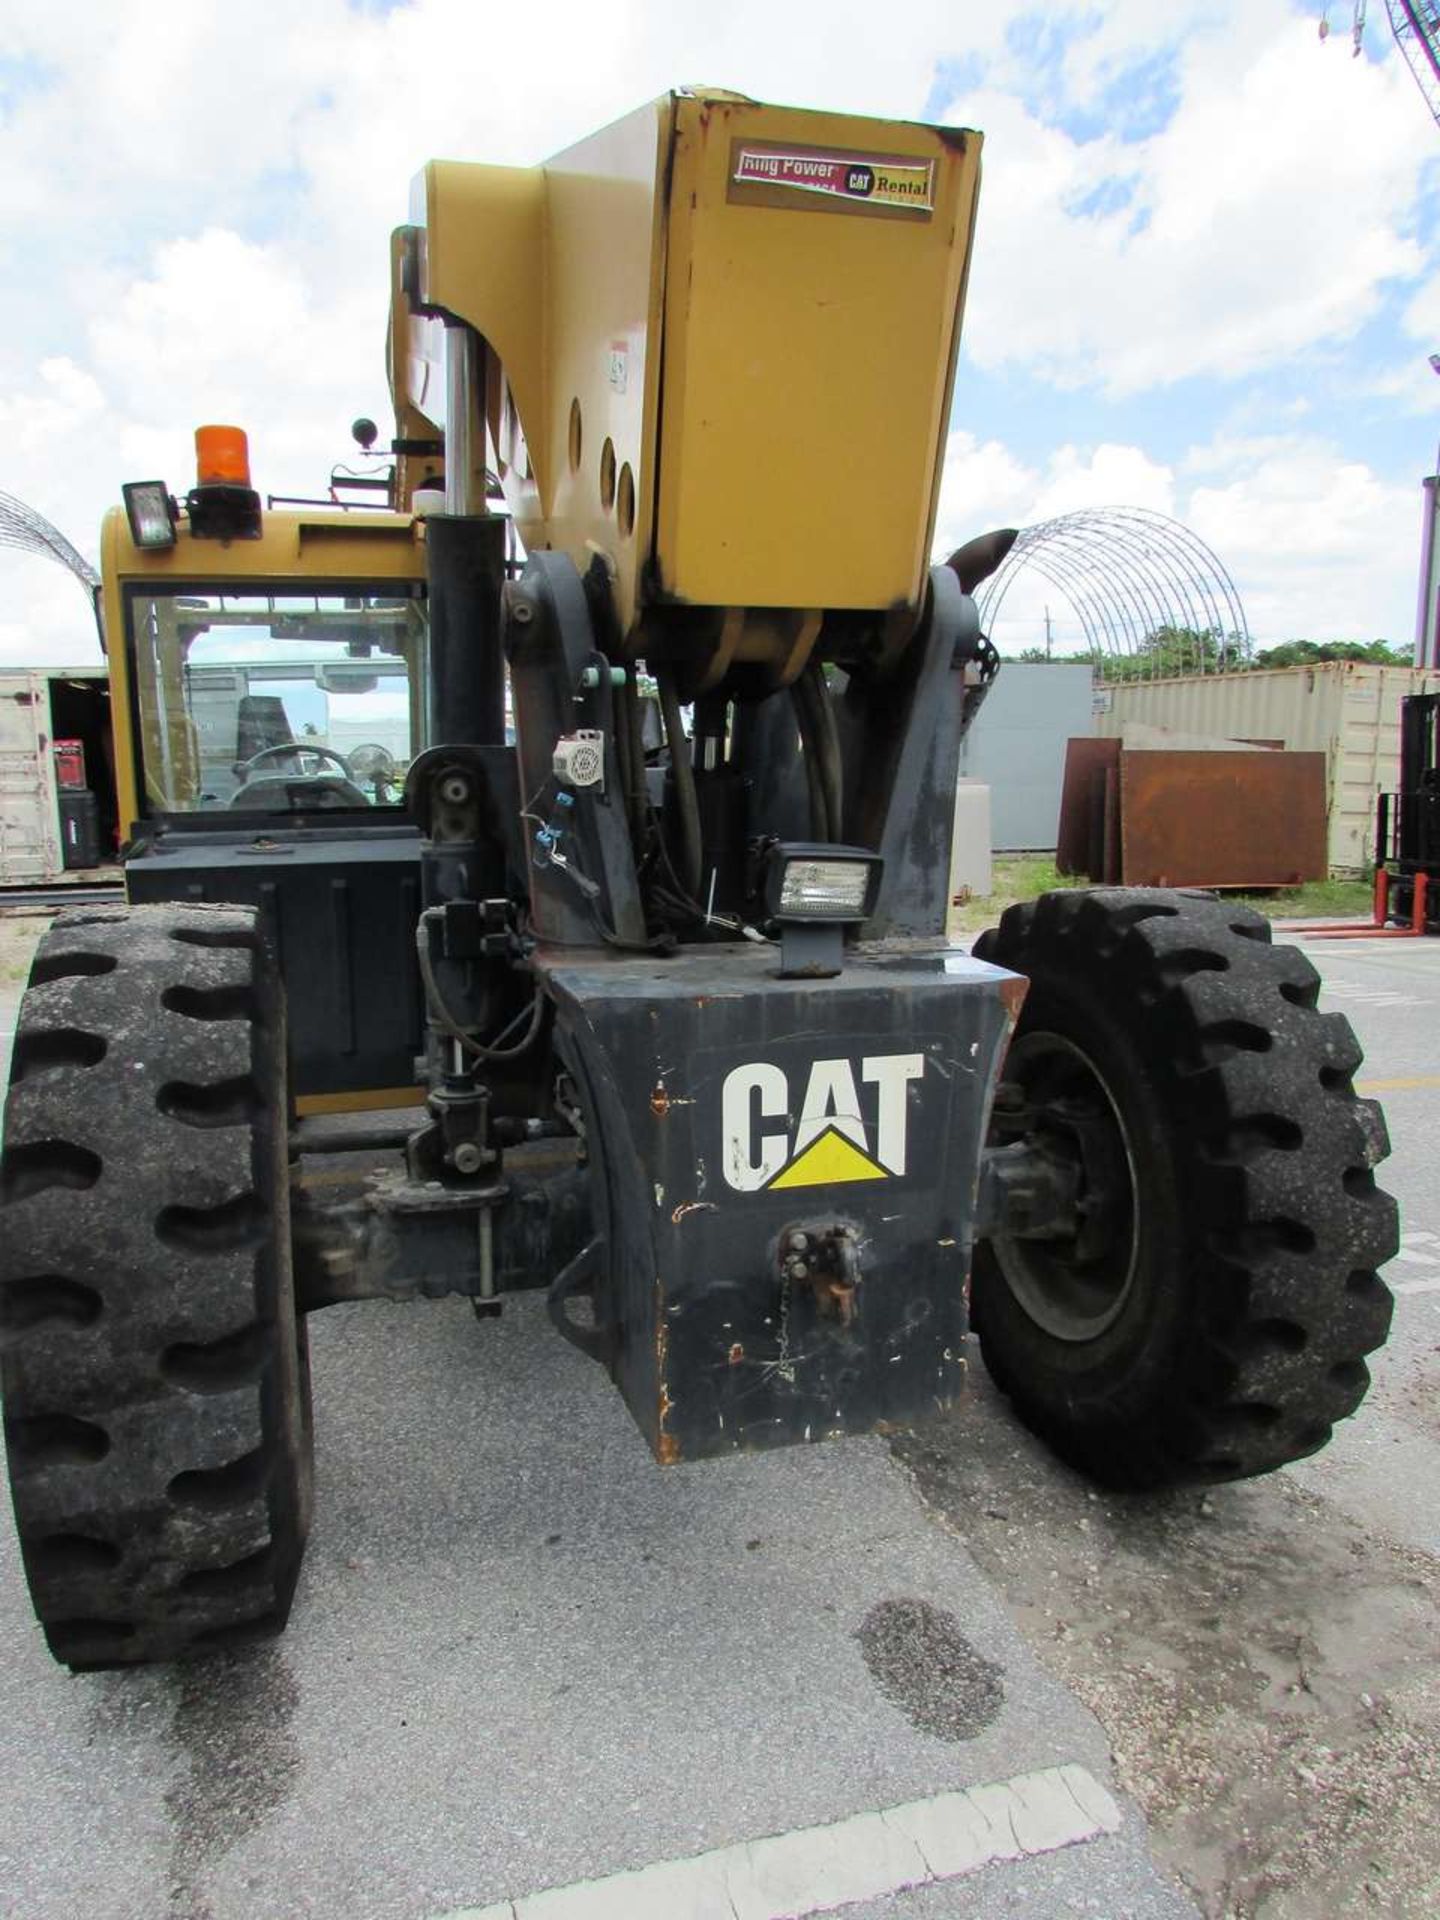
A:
[(1168, 651)]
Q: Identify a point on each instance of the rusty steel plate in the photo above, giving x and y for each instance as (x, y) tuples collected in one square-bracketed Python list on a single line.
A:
[(1079, 836), (1222, 819)]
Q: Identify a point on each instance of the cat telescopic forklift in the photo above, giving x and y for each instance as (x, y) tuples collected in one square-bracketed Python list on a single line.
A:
[(573, 837)]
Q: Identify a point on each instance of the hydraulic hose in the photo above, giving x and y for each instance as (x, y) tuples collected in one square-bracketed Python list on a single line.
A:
[(446, 1020), (683, 773), (821, 743)]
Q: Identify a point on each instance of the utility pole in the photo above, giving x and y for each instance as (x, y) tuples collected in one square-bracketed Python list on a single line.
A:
[(1427, 613), (1047, 633)]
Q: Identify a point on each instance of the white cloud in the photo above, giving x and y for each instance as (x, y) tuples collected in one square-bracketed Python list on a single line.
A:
[(1107, 476), (193, 225), (1318, 547), (1266, 219), (65, 399), (45, 617), (981, 486), (985, 485), (1322, 546)]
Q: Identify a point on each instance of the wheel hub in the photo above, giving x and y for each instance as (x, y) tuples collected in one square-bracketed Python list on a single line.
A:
[(1073, 1284)]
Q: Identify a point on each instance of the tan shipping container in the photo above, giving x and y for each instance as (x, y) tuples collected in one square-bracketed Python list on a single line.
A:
[(1347, 709)]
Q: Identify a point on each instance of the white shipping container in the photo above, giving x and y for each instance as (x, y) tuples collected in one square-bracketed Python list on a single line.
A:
[(1347, 709), (31, 853)]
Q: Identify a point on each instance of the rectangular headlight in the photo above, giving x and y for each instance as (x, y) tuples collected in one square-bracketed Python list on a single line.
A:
[(819, 883), (149, 511), (824, 886)]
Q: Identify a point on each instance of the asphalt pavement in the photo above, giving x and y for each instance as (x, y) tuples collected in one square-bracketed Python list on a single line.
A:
[(523, 1657), (1383, 1467)]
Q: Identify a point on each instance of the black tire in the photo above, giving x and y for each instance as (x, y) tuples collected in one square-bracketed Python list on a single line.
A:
[(156, 1389), (1211, 1318)]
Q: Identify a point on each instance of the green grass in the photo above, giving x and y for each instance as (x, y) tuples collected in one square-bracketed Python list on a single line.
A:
[(1024, 876), (1317, 900)]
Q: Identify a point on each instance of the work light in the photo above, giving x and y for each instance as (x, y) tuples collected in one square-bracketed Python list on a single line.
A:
[(151, 513), (820, 885), (814, 892)]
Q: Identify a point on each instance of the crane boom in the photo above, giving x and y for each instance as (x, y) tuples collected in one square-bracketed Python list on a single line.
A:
[(1416, 26)]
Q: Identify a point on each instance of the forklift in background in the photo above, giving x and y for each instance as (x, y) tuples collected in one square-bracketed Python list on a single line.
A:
[(647, 1004), (1407, 825)]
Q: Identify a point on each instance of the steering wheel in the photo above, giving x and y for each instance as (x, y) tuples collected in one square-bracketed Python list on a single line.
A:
[(312, 784), (299, 751)]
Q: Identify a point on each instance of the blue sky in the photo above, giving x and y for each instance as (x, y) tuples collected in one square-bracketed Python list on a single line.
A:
[(1206, 278)]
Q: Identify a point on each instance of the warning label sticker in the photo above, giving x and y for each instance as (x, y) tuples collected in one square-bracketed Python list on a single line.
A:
[(908, 184)]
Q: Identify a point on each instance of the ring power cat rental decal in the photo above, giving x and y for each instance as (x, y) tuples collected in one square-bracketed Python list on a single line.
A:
[(869, 181), (851, 1122)]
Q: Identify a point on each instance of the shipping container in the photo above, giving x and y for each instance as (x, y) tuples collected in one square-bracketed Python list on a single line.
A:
[(1347, 709), (50, 830), (1017, 748)]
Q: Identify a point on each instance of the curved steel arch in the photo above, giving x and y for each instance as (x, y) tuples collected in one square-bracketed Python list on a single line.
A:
[(27, 531), (1127, 572)]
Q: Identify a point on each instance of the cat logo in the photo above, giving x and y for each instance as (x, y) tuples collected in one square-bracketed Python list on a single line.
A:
[(841, 1135)]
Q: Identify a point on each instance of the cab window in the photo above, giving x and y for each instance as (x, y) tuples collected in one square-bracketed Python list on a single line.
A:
[(277, 701)]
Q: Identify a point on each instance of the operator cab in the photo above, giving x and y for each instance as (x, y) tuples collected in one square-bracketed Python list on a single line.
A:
[(273, 702), (270, 676)]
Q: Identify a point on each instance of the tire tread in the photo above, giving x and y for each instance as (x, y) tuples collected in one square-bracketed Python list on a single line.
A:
[(1285, 1227), (153, 1379)]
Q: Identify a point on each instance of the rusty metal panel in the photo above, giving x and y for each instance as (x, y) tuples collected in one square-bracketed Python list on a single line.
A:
[(1105, 865), (1222, 819), (1082, 797), (1349, 709)]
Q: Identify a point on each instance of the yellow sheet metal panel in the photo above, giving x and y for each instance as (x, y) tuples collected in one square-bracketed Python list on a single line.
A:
[(559, 268), (115, 542), (309, 545), (804, 273), (482, 259), (604, 274), (815, 269)]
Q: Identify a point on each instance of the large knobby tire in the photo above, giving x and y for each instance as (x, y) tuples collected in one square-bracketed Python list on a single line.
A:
[(156, 1389), (1210, 1318)]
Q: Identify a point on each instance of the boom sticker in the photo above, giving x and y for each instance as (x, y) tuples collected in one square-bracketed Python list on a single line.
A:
[(895, 184), (853, 1123)]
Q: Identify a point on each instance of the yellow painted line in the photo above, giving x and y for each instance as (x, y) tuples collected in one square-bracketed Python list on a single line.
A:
[(1398, 1086)]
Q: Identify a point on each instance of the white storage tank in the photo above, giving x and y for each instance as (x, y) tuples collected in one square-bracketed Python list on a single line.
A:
[(1347, 709)]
